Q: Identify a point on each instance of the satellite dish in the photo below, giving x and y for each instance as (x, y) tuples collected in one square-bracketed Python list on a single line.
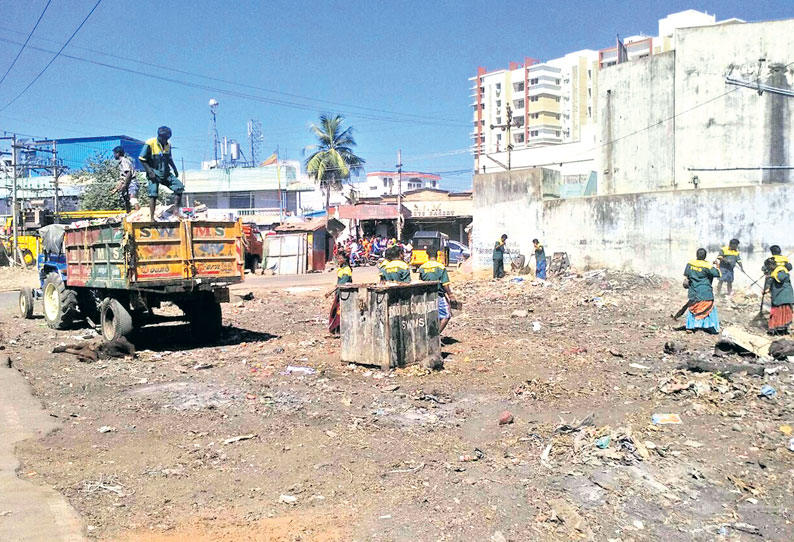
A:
[(213, 102)]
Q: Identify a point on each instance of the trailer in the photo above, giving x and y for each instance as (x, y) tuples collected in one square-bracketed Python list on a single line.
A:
[(116, 273)]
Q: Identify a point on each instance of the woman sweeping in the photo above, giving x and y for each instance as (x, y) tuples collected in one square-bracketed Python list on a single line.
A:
[(702, 313), (344, 275), (778, 284)]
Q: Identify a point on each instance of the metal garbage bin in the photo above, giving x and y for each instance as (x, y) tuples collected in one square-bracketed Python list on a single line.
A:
[(390, 326)]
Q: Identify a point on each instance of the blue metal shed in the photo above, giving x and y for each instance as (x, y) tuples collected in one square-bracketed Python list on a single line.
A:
[(74, 153)]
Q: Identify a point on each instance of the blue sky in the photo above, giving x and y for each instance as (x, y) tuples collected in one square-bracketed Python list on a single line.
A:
[(398, 71)]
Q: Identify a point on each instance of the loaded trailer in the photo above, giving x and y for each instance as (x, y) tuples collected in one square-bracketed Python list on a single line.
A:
[(114, 274)]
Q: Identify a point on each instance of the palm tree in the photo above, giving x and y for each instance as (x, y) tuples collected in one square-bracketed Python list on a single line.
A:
[(332, 159)]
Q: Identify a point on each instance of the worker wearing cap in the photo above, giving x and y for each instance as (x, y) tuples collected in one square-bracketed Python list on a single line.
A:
[(499, 257), (157, 161)]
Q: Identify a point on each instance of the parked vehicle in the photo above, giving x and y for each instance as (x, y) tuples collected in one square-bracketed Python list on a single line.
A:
[(458, 253), (116, 273), (254, 247), (427, 242)]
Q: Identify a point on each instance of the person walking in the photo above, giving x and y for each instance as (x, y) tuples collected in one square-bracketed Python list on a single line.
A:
[(698, 276), (499, 257), (394, 269)]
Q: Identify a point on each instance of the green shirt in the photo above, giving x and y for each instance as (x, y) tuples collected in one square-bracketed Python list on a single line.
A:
[(499, 250), (540, 253), (157, 157), (432, 270), (395, 271), (344, 275), (729, 258), (700, 273), (779, 284)]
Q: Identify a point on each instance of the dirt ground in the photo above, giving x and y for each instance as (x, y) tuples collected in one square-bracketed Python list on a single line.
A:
[(14, 278), (193, 442)]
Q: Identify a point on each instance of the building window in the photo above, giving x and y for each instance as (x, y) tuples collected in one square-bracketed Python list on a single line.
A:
[(533, 98), (499, 137), (519, 87), (557, 81), (533, 81), (589, 111), (589, 91), (498, 103), (533, 133), (557, 133), (498, 86), (482, 106), (375, 187), (519, 104), (557, 116), (241, 200), (589, 74), (556, 98), (498, 120), (534, 115)]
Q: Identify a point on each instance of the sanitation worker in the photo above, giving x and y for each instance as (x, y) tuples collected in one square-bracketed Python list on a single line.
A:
[(157, 161)]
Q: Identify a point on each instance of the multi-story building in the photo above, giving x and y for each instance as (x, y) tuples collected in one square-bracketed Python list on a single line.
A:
[(384, 183), (555, 102)]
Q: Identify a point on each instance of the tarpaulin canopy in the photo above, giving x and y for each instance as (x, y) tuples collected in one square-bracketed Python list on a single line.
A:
[(368, 212)]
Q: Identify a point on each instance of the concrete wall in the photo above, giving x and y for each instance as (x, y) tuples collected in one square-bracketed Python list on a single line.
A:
[(665, 116), (511, 203), (740, 129), (636, 95), (646, 232)]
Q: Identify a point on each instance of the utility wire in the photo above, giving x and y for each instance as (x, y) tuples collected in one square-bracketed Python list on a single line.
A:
[(253, 87), (24, 90), (237, 94), (30, 35)]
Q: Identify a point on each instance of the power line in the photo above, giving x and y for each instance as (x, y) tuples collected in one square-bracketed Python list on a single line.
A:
[(261, 99), (24, 90), (253, 87), (30, 35)]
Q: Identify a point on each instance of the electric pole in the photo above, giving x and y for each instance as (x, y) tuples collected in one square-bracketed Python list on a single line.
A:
[(14, 203), (506, 128), (55, 172), (399, 195)]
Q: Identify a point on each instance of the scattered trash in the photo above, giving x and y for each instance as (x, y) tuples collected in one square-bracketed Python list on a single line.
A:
[(203, 365), (519, 314), (535, 326), (666, 419), (239, 438), (700, 366), (693, 444), (106, 429), (476, 456), (785, 429), (498, 537), (782, 349), (505, 418), (288, 499), (516, 280), (615, 353), (603, 442), (638, 366), (638, 524), (767, 391), (247, 296), (299, 370), (791, 445), (671, 347)]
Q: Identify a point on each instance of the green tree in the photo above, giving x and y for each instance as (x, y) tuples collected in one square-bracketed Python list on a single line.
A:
[(100, 177), (331, 160)]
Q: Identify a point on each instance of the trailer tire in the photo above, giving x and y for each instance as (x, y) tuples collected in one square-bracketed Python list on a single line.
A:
[(26, 303), (206, 319), (60, 303), (115, 319)]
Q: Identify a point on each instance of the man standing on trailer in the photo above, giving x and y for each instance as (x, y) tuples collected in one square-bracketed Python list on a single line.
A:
[(128, 184), (157, 161)]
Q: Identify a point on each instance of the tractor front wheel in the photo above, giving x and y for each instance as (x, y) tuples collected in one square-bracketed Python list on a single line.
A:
[(60, 303)]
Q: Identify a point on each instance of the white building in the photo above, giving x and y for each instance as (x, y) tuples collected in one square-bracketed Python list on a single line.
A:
[(556, 102), (385, 183)]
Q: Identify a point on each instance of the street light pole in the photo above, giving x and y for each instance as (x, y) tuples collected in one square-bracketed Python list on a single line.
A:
[(399, 195)]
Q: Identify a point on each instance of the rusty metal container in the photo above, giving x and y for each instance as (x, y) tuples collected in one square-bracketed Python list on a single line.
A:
[(390, 326)]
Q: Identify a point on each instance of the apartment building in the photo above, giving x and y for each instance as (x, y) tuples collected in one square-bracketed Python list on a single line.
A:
[(384, 183), (556, 102)]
